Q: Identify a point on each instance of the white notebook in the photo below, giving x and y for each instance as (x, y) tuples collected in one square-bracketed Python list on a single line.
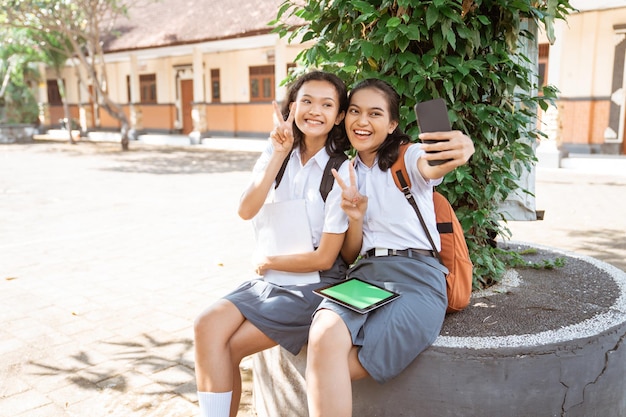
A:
[(283, 228)]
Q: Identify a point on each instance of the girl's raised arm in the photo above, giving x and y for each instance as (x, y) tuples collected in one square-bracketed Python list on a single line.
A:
[(355, 205), (282, 140)]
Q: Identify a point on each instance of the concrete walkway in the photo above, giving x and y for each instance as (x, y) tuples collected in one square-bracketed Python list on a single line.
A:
[(106, 257)]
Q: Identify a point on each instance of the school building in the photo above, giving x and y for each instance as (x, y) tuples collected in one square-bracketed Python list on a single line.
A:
[(586, 64), (209, 68), (203, 66)]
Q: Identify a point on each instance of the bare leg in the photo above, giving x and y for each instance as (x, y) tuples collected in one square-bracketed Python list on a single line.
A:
[(213, 330), (246, 341), (223, 337), (332, 363)]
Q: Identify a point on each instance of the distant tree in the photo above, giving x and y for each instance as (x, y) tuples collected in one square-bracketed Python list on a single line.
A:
[(83, 25), (18, 76), (466, 51), (54, 48)]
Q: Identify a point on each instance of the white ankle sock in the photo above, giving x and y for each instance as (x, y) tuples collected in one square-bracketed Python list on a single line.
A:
[(214, 404)]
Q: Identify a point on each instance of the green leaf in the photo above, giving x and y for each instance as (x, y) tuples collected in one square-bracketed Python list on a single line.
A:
[(432, 14), (437, 42), (394, 22), (308, 36), (282, 9), (484, 20), (363, 6), (451, 38), (389, 38), (403, 43), (367, 49)]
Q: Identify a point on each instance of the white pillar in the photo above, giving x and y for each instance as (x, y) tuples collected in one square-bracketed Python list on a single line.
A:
[(44, 108), (136, 112), (520, 205), (198, 112), (43, 84), (280, 69), (135, 94), (198, 76)]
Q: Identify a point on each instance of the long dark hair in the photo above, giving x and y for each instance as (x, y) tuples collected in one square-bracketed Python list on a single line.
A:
[(337, 142), (388, 150)]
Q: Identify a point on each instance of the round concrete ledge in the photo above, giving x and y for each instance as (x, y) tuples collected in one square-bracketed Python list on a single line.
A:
[(576, 368)]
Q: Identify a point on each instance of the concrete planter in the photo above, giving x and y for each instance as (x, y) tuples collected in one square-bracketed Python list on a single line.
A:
[(16, 133), (546, 343)]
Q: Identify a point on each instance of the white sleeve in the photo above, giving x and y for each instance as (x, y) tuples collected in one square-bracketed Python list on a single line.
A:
[(336, 220), (412, 155), (263, 160)]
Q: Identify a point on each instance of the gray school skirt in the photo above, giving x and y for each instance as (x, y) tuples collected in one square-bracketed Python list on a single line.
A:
[(284, 313), (390, 337)]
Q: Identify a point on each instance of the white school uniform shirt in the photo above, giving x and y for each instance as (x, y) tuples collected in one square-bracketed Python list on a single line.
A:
[(390, 221), (303, 182)]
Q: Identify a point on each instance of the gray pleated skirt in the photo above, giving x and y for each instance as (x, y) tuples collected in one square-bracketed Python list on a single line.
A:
[(284, 313), (391, 337)]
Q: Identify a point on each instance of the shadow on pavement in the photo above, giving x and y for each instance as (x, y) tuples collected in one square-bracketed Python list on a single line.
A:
[(604, 244), (148, 357), (161, 160), (185, 162), (139, 369)]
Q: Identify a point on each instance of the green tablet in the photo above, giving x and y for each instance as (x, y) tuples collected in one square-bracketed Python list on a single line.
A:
[(357, 295)]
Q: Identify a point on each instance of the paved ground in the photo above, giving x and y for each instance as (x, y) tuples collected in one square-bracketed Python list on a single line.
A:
[(106, 257), (585, 208)]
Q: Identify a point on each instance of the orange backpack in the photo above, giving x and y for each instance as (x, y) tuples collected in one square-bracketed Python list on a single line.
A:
[(454, 253)]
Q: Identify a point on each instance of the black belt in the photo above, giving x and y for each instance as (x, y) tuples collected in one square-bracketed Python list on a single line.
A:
[(410, 253)]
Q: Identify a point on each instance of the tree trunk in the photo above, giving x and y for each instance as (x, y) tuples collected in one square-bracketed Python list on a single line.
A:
[(116, 111), (66, 110), (124, 132)]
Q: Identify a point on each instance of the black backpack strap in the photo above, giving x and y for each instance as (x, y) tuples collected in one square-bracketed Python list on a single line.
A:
[(328, 180), (281, 171)]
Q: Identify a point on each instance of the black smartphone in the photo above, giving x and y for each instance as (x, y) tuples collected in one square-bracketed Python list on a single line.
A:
[(432, 116)]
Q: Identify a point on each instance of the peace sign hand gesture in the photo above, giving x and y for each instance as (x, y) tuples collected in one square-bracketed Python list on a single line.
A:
[(282, 135), (352, 202)]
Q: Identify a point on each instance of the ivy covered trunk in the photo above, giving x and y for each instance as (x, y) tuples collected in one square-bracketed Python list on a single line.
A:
[(464, 51)]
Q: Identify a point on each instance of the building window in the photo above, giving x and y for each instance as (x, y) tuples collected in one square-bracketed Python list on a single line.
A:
[(147, 88), (544, 52), (128, 88), (262, 83), (215, 85), (54, 96)]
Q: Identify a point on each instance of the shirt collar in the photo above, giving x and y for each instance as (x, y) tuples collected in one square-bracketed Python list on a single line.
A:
[(361, 164), (321, 157)]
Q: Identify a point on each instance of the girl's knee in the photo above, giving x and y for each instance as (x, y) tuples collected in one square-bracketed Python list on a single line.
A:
[(328, 333), (203, 321), (215, 320)]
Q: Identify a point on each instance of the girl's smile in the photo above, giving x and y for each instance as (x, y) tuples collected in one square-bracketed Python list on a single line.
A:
[(368, 122), (317, 109)]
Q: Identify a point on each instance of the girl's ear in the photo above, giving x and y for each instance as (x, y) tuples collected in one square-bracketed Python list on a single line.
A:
[(392, 127), (340, 117)]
